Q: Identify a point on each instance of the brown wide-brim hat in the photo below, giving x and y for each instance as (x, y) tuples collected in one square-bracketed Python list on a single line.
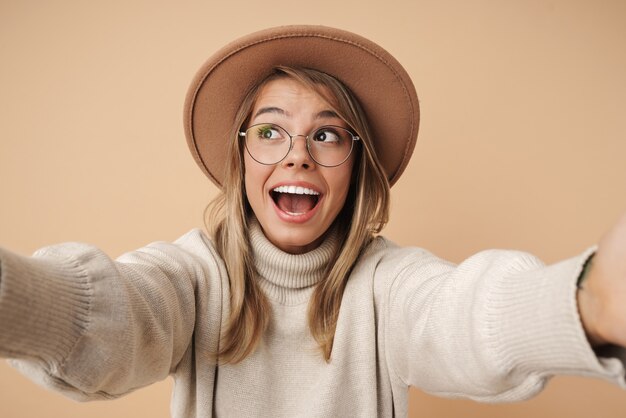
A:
[(380, 84)]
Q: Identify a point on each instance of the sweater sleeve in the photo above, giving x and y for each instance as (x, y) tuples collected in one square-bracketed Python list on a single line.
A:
[(493, 328), (78, 322)]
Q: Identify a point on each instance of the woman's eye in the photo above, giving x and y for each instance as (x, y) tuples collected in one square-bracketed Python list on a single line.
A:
[(268, 132), (326, 135)]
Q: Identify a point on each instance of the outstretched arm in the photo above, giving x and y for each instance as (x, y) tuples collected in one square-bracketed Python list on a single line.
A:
[(93, 328), (602, 290), (494, 328)]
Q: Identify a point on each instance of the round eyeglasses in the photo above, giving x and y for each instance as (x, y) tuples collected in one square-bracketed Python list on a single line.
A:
[(328, 146)]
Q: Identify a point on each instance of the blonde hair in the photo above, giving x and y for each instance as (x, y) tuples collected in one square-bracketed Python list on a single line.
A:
[(364, 214)]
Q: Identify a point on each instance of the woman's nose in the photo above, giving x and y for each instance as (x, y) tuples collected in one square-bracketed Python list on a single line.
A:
[(298, 155)]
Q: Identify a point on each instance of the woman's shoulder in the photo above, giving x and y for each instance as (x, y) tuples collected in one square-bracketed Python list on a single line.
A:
[(193, 251), (386, 263), (196, 240), (387, 255)]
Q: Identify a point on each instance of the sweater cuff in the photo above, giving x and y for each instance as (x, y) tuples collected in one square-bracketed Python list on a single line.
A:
[(44, 306), (535, 325)]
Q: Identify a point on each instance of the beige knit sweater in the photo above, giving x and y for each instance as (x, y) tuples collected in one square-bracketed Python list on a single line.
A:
[(493, 328)]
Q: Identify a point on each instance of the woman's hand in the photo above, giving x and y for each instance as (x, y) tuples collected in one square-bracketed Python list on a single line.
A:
[(602, 293)]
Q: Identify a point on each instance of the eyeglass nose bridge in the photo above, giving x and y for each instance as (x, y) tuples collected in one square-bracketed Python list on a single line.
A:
[(292, 142)]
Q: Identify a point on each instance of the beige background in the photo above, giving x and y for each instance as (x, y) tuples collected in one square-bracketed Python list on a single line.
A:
[(522, 142)]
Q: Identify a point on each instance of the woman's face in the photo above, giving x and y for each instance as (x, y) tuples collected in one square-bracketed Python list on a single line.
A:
[(295, 222)]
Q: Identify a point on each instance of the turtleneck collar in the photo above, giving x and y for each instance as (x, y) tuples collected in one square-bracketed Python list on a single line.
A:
[(287, 277)]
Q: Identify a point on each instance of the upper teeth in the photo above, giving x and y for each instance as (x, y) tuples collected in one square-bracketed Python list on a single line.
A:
[(295, 190)]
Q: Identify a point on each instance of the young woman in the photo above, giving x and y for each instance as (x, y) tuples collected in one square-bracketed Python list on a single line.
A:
[(294, 306)]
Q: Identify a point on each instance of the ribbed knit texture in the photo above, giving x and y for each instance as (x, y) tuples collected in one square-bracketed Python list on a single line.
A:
[(493, 328), (285, 277), (49, 334)]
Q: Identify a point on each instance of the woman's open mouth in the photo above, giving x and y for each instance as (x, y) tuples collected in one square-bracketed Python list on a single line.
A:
[(295, 200)]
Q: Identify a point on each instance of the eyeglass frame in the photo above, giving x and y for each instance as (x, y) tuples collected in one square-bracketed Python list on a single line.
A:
[(355, 137)]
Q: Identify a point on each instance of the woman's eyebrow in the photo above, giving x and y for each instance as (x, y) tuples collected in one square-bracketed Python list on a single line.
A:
[(326, 114), (271, 109)]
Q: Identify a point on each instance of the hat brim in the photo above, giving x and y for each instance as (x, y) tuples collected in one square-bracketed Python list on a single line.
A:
[(379, 82)]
